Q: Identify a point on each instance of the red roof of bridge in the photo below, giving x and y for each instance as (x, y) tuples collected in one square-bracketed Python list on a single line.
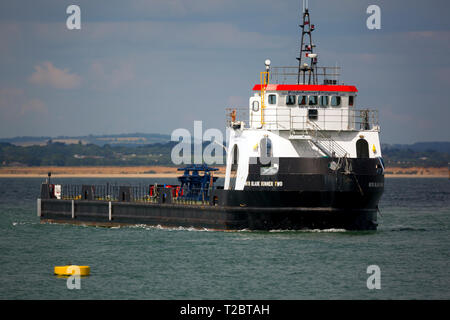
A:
[(307, 87)]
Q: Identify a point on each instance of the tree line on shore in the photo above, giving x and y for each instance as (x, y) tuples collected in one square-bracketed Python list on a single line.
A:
[(61, 154)]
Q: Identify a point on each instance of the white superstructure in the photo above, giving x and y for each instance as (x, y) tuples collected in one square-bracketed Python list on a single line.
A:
[(301, 120)]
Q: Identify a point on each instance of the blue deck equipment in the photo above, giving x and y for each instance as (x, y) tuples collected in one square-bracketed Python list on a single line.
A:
[(194, 185)]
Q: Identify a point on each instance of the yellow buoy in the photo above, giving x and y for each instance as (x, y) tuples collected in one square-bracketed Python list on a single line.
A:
[(72, 270)]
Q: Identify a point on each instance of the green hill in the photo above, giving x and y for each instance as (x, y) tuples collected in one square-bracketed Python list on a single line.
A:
[(128, 154)]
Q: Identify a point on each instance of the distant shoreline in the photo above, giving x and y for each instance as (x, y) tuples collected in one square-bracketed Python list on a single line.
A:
[(172, 172), (96, 172)]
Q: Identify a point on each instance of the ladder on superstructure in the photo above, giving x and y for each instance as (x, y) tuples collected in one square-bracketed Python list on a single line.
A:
[(314, 133), (325, 143)]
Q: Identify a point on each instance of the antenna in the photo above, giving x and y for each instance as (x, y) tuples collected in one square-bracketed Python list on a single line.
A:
[(305, 5), (306, 50)]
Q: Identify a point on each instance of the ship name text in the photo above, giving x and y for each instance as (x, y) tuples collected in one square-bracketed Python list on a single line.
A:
[(264, 183)]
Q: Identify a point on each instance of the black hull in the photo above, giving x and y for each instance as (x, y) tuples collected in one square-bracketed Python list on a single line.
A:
[(210, 217), (311, 197), (213, 218)]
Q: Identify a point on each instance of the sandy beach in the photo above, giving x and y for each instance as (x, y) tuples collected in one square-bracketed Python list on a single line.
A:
[(171, 172), (417, 172), (96, 172)]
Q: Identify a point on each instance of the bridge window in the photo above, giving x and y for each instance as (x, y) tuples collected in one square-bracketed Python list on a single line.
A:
[(324, 101), (290, 100), (312, 100), (335, 101), (351, 100), (302, 100), (272, 99), (313, 114)]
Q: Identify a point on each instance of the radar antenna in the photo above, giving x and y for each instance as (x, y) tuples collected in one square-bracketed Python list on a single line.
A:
[(307, 73)]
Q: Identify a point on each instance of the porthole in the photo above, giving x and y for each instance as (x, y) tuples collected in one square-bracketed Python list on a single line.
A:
[(255, 106)]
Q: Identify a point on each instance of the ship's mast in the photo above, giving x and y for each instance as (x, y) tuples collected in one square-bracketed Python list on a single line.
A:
[(307, 73)]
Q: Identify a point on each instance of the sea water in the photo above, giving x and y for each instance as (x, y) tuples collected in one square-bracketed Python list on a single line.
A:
[(411, 249)]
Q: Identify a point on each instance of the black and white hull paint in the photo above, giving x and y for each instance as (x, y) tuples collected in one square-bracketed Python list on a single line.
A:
[(305, 194), (300, 155)]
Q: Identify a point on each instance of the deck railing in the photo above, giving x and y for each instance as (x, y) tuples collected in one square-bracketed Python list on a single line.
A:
[(301, 119), (136, 193), (289, 75)]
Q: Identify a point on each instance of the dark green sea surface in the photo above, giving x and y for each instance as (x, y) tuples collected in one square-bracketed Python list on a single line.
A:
[(411, 248)]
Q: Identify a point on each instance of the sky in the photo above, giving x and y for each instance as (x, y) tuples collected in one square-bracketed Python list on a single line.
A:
[(157, 65)]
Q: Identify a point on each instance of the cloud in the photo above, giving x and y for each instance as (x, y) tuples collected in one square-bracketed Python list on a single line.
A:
[(47, 74), (178, 35), (106, 75), (14, 104), (149, 54), (33, 105)]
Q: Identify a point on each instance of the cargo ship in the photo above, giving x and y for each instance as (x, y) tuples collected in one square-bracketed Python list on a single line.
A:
[(301, 155)]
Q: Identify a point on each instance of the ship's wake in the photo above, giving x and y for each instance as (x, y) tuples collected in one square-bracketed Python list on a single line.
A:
[(181, 228)]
